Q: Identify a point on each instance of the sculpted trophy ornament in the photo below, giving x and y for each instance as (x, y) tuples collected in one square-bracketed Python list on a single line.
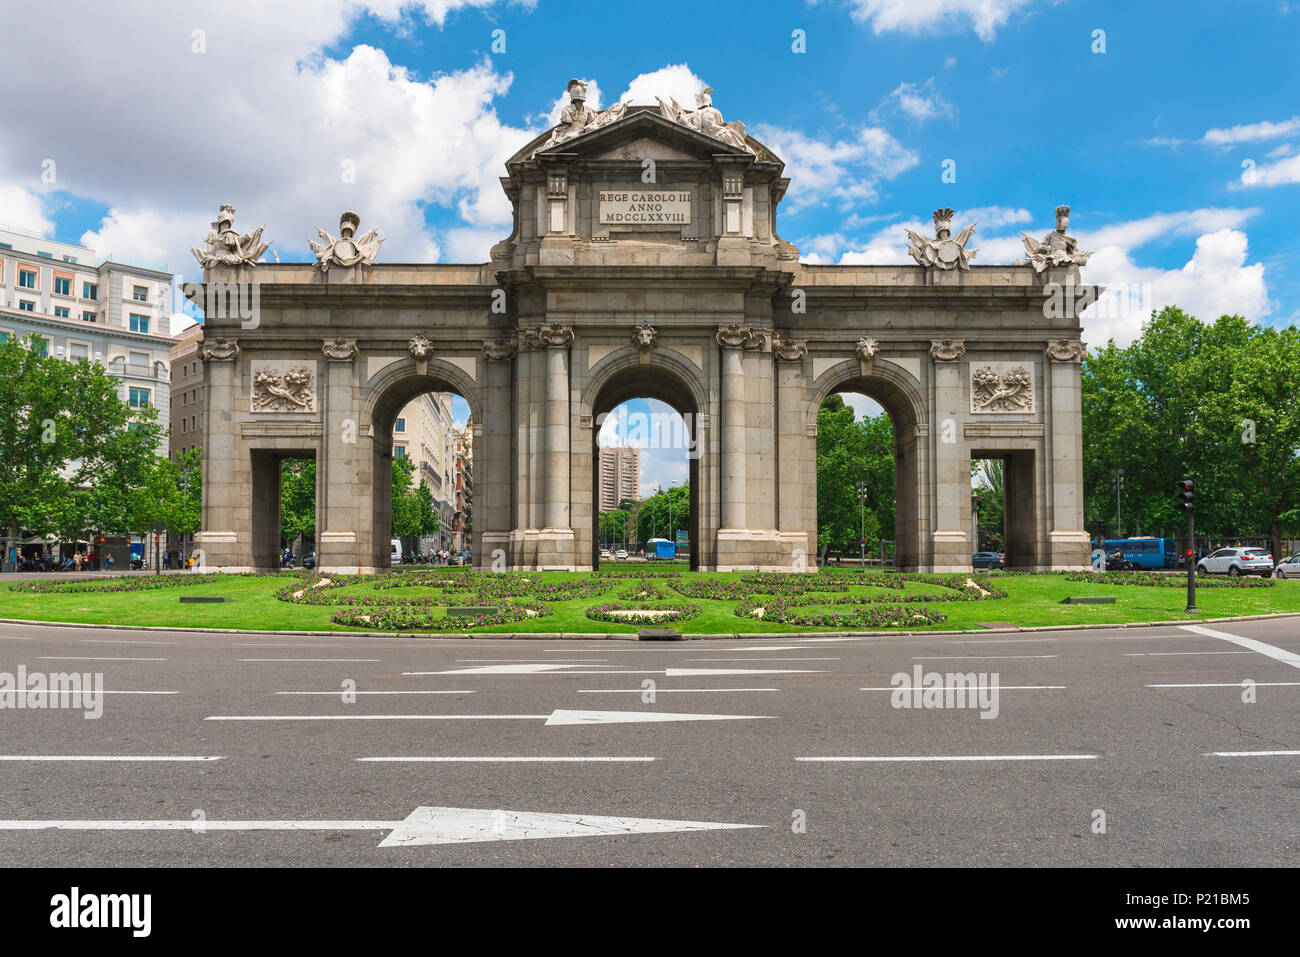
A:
[(706, 119), (1010, 391), (290, 391), (1056, 248), (223, 245), (578, 118), (346, 250), (943, 251)]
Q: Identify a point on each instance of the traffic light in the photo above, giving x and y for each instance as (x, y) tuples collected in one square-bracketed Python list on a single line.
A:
[(1188, 494)]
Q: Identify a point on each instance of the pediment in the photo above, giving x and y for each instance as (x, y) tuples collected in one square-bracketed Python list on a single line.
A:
[(642, 133)]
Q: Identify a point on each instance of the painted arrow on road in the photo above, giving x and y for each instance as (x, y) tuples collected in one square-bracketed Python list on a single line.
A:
[(425, 825), (458, 825)]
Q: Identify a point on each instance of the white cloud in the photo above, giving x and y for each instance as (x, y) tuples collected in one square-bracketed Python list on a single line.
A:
[(23, 209), (918, 101), (1250, 132), (985, 17), (847, 171), (676, 81), (1284, 150), (262, 119), (1281, 173)]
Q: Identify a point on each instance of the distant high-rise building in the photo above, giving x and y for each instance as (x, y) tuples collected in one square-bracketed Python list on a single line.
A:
[(620, 476)]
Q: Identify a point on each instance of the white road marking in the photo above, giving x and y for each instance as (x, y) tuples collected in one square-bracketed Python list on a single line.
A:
[(455, 825), (762, 659), (767, 648), (340, 692), (72, 658), (309, 659), (1000, 688), (106, 691), (1167, 654), (377, 717), (627, 717), (1233, 684), (16, 638), (105, 757), (533, 660), (965, 757), (664, 690), (123, 641), (195, 825), (978, 657), (1252, 754), (704, 672), (993, 641), (1278, 654), (511, 669), (510, 760)]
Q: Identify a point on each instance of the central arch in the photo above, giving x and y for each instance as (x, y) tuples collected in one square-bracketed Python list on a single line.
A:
[(670, 379), (899, 395), (390, 391)]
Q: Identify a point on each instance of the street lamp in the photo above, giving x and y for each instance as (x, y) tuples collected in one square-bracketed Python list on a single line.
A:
[(1119, 487), (862, 524)]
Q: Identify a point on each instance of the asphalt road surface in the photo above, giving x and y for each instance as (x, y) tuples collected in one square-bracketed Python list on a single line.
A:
[(1119, 747)]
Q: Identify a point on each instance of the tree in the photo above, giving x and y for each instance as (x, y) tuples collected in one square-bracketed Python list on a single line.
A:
[(297, 499), (413, 513), (664, 513), (850, 451), (990, 486), (70, 447)]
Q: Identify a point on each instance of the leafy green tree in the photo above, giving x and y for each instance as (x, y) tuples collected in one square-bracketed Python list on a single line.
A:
[(614, 526), (850, 451), (664, 513), (297, 499), (413, 513)]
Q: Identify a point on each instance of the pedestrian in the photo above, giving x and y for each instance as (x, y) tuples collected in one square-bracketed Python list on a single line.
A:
[(108, 562)]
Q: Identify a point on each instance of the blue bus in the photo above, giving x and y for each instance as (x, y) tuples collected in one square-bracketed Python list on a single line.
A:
[(1146, 552), (660, 548)]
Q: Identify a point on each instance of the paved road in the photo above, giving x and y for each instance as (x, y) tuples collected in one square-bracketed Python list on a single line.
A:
[(1122, 721)]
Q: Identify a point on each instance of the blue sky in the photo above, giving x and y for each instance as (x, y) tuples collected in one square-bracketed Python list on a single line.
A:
[(260, 103)]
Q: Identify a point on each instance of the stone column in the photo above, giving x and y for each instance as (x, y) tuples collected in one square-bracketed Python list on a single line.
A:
[(796, 456), (343, 540), (226, 536), (951, 462), (493, 481), (1068, 544), (556, 545), (733, 339)]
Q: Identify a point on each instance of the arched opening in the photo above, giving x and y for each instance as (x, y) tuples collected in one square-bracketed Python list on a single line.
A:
[(869, 475), (422, 502), (645, 428)]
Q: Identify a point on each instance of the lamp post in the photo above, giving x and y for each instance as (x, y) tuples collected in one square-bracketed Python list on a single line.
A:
[(1119, 487), (862, 524)]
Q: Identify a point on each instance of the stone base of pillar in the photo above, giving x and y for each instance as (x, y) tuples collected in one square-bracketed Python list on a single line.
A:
[(494, 551), (1068, 550), (336, 551), (755, 549), (952, 552), (221, 551), (556, 550), (523, 549)]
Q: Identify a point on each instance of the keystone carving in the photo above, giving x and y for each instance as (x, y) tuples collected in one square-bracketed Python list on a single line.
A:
[(644, 336), (867, 349), (218, 350), (339, 350), (420, 348), (947, 350), (1066, 350)]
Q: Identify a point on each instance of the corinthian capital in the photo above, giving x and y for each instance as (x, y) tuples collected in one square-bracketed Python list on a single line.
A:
[(737, 335), (554, 335), (218, 350), (1066, 350), (791, 350)]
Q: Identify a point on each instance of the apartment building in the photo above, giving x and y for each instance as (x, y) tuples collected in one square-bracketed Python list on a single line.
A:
[(117, 314), (462, 535), (425, 431), (620, 476), (187, 391)]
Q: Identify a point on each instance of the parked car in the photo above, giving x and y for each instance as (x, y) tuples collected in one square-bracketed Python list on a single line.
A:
[(1288, 567), (1236, 561), (621, 554), (604, 553), (309, 560), (988, 560)]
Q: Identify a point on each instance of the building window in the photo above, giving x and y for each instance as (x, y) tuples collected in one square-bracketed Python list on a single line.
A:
[(399, 425), (61, 312), (139, 323), (27, 278), (62, 286), (184, 425), (4, 337), (399, 451), (139, 398), (42, 346), (69, 259), (90, 290), (87, 317), (26, 305), (140, 293), (77, 350), (139, 362)]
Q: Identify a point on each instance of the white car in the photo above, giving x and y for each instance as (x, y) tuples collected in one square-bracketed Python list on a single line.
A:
[(621, 553), (1236, 561), (1288, 567), (604, 553)]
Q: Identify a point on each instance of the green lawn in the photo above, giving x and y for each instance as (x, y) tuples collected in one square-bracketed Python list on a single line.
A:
[(1030, 600)]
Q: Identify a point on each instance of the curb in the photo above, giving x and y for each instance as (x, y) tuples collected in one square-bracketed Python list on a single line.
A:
[(553, 635)]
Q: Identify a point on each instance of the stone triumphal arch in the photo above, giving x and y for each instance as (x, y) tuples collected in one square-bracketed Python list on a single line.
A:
[(644, 261)]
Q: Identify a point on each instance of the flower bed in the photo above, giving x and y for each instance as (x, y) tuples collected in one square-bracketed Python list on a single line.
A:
[(875, 615), (409, 619), (632, 573), (642, 591), (1159, 580), (124, 583), (776, 583), (654, 614)]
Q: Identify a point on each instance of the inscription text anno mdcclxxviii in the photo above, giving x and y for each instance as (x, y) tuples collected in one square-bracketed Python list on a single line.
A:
[(645, 206)]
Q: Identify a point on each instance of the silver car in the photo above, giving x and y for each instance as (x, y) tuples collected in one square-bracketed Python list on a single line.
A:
[(1288, 567), (1236, 561)]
